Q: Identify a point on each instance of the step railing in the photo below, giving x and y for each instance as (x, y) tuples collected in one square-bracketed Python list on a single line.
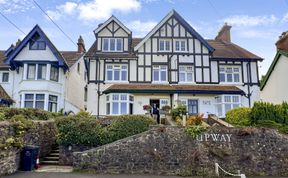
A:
[(217, 167)]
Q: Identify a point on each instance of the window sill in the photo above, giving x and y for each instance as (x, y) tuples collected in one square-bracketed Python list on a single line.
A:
[(107, 82), (157, 82)]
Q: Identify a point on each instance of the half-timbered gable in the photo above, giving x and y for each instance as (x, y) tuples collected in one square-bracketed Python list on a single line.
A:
[(176, 47)]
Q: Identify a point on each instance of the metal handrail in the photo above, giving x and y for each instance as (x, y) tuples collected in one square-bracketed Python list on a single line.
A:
[(217, 166)]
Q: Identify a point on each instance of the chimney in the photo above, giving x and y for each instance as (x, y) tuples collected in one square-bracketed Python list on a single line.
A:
[(18, 42), (224, 33), (282, 43), (81, 45)]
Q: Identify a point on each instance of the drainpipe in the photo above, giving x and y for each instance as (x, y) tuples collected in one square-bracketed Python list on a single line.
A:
[(98, 83), (249, 81)]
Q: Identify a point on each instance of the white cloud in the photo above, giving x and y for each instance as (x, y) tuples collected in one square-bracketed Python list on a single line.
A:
[(139, 28), (68, 7), (260, 34), (55, 15), (285, 18), (15, 6), (246, 20), (103, 9)]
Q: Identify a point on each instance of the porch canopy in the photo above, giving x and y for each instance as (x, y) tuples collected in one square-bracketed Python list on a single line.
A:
[(171, 89)]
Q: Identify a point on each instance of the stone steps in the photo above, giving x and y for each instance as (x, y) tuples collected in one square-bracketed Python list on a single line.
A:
[(52, 158)]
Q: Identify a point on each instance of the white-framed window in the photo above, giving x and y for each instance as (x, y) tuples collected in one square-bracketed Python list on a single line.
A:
[(229, 74), (52, 103), (118, 104), (164, 45), (159, 73), (36, 71), (5, 77), (180, 45), (185, 73), (34, 101), (54, 73), (113, 44), (116, 72), (224, 103)]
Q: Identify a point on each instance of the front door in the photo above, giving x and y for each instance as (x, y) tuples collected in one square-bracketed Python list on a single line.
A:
[(155, 102), (192, 107)]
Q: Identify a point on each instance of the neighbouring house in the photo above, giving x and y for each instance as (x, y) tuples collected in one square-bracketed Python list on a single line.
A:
[(36, 75), (173, 63), (274, 86)]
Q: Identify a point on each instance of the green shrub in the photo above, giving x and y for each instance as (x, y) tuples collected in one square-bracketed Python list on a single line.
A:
[(239, 116), (128, 125), (178, 111), (268, 124), (78, 130), (28, 113), (194, 131), (284, 129)]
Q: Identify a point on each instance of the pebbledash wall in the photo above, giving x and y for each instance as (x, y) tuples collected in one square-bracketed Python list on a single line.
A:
[(170, 151), (43, 135)]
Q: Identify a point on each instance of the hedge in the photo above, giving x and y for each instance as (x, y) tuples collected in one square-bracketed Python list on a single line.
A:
[(89, 131), (239, 116)]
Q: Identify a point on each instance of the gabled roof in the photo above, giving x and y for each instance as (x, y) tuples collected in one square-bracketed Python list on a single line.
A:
[(183, 23), (28, 37), (228, 50), (112, 18), (272, 66), (71, 57)]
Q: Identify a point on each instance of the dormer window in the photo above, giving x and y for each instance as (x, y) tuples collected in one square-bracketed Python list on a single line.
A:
[(112, 44)]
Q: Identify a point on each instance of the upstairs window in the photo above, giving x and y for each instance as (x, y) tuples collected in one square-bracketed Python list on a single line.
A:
[(185, 73), (36, 71), (112, 44), (159, 73), (31, 69), (41, 73), (229, 74), (54, 73), (180, 45), (116, 72), (164, 45), (5, 77)]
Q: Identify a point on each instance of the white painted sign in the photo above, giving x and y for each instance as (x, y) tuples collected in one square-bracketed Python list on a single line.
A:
[(215, 137)]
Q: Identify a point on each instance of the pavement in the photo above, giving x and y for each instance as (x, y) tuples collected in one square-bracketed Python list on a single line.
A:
[(83, 175)]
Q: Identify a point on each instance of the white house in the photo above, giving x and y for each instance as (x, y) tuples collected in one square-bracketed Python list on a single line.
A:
[(172, 63), (275, 85), (36, 75)]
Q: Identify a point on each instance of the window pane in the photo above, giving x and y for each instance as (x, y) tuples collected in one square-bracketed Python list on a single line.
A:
[(227, 99), (119, 44), (183, 46), (167, 45), (116, 74), (177, 46), (108, 108), (229, 78), (181, 68), (105, 45), (107, 97), (41, 45), (156, 75), (123, 97), (124, 75), (28, 104), (219, 109), (31, 71), (5, 77), (115, 108), (52, 98), (39, 96), (236, 78), (131, 98), (123, 108), (182, 77), (112, 44), (229, 70), (222, 77), (115, 97), (109, 75), (39, 104), (222, 69), (161, 45), (109, 67), (189, 77), (227, 107), (163, 75), (41, 72), (54, 73), (235, 99), (29, 96), (236, 69)]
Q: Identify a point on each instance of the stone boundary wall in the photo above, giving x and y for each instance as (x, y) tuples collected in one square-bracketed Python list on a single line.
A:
[(43, 135), (170, 151), (66, 153)]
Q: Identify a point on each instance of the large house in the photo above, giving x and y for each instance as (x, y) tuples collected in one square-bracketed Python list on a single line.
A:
[(275, 86), (173, 63), (36, 75)]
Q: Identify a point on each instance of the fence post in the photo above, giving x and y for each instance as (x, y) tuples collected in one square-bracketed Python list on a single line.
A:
[(184, 120), (217, 169)]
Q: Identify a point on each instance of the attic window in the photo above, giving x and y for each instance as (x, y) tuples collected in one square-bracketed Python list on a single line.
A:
[(36, 43)]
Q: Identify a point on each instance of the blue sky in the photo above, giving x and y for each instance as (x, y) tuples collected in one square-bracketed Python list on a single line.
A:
[(256, 24)]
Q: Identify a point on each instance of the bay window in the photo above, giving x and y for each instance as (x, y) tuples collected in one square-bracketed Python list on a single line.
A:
[(185, 74), (116, 72), (117, 104), (54, 73), (224, 103), (41, 74), (52, 103), (34, 101), (31, 69), (36, 71), (160, 73), (164, 45), (112, 44), (229, 74)]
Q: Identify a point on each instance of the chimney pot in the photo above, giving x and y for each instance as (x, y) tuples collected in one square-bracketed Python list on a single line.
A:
[(81, 45), (224, 33)]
